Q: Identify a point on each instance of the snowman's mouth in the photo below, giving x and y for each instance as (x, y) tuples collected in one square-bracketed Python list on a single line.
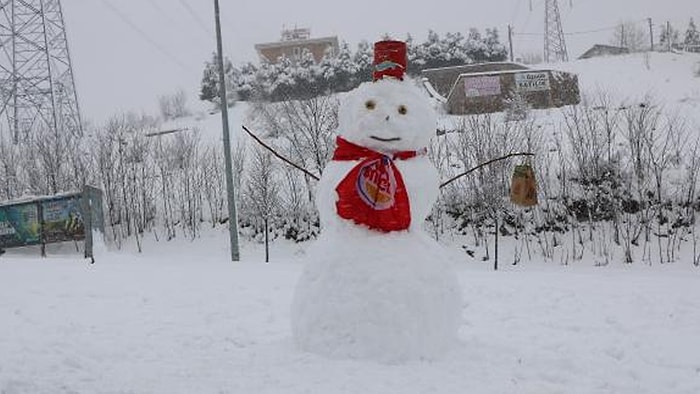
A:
[(385, 139)]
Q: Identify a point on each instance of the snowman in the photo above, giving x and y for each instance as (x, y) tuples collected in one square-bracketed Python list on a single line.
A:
[(375, 285)]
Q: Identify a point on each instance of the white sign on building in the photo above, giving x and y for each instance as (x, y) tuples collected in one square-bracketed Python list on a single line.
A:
[(482, 86), (532, 82)]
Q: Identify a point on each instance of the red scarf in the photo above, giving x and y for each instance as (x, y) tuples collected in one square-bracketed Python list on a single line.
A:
[(373, 192)]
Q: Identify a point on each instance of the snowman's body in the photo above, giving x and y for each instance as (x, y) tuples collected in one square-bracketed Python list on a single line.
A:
[(388, 296)]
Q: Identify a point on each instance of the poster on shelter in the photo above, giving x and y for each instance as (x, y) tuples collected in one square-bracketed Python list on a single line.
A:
[(63, 220), (532, 82), (19, 225), (482, 86)]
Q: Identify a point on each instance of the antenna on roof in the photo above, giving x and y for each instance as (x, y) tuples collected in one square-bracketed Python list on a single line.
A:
[(296, 34)]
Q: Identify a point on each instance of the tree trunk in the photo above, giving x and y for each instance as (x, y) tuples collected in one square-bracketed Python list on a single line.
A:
[(267, 241)]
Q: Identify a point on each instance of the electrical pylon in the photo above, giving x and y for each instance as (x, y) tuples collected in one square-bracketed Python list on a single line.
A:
[(554, 44), (37, 89)]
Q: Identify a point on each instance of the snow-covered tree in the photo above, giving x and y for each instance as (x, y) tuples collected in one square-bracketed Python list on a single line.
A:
[(244, 83), (454, 46), (434, 50), (495, 50), (668, 37), (416, 58), (345, 69), (475, 45), (692, 37), (209, 90), (363, 58)]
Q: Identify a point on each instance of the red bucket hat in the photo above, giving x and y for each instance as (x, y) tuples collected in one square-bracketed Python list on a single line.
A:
[(389, 60)]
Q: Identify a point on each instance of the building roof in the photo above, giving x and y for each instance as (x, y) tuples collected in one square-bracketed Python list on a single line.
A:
[(292, 43), (603, 50)]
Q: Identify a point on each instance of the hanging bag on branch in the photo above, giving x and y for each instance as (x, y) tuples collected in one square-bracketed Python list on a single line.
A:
[(523, 186)]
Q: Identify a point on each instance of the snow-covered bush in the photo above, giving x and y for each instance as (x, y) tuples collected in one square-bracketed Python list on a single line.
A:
[(174, 105)]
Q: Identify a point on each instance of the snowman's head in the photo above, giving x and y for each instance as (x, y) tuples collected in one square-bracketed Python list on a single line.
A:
[(388, 115)]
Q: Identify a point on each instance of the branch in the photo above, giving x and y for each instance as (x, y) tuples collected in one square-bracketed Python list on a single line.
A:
[(284, 159), (508, 156)]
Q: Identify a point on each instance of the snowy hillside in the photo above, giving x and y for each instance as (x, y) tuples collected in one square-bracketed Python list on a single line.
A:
[(181, 318), (670, 78)]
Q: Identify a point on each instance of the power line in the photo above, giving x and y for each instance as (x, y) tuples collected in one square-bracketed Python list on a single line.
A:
[(174, 24), (161, 12), (571, 33), (574, 33), (196, 18), (145, 36)]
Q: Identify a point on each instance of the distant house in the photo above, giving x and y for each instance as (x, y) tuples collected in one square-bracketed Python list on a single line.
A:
[(488, 87), (599, 50), (293, 43)]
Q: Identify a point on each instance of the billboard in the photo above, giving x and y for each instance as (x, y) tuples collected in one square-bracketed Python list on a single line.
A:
[(19, 225), (62, 219), (482, 86), (532, 82)]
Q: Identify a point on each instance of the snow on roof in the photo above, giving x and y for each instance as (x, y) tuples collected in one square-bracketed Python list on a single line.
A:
[(35, 198)]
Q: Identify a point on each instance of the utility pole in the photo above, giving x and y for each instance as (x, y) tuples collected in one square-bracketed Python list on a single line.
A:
[(651, 33), (622, 36), (232, 219), (510, 41)]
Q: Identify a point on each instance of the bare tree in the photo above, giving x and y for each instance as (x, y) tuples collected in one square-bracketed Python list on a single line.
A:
[(213, 183), (10, 169), (262, 191), (185, 151), (122, 153), (482, 138), (640, 122), (664, 146), (630, 35), (691, 183), (308, 126), (174, 105)]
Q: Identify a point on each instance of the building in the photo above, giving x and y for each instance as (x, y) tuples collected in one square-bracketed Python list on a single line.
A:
[(293, 43), (604, 50), (488, 87)]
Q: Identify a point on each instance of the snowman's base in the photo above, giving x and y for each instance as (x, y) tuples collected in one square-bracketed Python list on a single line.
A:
[(386, 297)]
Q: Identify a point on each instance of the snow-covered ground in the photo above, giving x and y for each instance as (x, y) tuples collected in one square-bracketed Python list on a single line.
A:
[(182, 319)]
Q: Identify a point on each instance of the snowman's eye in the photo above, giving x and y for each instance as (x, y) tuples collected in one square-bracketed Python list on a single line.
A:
[(403, 110), (370, 105)]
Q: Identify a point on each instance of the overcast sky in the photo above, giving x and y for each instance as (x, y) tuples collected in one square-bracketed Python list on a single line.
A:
[(128, 52)]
